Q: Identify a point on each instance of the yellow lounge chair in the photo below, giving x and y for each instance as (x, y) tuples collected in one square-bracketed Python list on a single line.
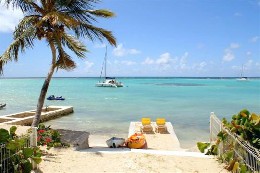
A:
[(146, 125), (160, 125)]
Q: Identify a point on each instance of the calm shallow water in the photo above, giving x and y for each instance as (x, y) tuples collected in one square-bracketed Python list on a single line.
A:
[(185, 102)]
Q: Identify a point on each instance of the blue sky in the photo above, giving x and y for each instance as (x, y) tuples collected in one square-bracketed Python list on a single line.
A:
[(158, 38)]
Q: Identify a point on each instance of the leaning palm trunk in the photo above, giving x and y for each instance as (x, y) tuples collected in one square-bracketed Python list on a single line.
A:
[(61, 23), (44, 89)]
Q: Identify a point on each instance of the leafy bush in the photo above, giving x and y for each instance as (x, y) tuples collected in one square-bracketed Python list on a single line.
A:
[(19, 154), (49, 137), (245, 126)]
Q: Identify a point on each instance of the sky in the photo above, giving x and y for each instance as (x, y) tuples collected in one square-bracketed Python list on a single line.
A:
[(156, 38)]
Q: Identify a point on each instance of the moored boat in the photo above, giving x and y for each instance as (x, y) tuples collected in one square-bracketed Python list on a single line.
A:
[(52, 97), (242, 78), (2, 105), (108, 81)]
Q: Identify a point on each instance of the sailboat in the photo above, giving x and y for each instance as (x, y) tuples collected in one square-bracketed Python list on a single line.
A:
[(108, 81), (242, 78)]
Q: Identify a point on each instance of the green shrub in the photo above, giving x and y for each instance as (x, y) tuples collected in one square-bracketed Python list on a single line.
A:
[(19, 154), (49, 137), (246, 126)]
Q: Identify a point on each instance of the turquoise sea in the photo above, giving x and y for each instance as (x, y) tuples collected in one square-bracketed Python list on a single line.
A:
[(185, 102)]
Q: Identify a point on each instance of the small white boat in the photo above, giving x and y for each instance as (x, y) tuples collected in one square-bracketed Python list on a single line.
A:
[(115, 142), (108, 81), (242, 78)]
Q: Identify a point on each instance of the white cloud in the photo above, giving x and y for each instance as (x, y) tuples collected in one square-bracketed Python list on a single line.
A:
[(133, 51), (183, 61), (88, 65), (248, 53), (120, 51), (128, 62), (248, 64), (164, 59), (103, 45), (254, 39), (148, 61), (9, 18), (228, 56), (200, 66), (234, 46)]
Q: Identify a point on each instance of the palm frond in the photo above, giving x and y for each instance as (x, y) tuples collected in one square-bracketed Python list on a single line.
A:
[(25, 40), (93, 33), (25, 23), (64, 60), (101, 13), (57, 18), (24, 5), (74, 44)]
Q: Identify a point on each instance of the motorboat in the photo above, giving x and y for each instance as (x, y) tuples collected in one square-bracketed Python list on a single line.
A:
[(52, 97), (108, 81), (2, 105), (115, 142)]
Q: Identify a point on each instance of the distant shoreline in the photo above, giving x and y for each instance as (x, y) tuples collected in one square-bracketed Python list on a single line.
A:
[(142, 77)]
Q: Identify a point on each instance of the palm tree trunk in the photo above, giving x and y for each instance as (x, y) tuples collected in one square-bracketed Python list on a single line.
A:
[(45, 87)]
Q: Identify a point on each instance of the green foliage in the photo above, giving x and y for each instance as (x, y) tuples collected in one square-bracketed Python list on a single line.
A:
[(20, 155), (213, 150), (246, 126), (49, 137), (202, 146), (4, 136)]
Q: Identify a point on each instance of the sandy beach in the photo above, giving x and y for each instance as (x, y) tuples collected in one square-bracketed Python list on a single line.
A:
[(158, 157), (103, 159)]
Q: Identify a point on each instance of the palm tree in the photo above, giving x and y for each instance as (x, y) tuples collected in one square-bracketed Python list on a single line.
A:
[(56, 21)]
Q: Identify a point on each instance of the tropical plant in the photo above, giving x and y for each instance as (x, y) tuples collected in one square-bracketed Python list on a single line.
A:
[(49, 137), (246, 127), (20, 154), (55, 21)]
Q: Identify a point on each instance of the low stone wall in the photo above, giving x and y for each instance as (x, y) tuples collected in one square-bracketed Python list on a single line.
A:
[(26, 118), (78, 139)]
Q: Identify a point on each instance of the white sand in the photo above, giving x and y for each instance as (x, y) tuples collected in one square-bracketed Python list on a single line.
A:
[(99, 158), (159, 157)]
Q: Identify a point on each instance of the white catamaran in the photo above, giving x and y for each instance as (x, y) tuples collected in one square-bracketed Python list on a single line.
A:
[(108, 81), (242, 78)]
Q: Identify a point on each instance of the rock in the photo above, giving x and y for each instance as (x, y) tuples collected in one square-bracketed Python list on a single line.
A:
[(78, 139)]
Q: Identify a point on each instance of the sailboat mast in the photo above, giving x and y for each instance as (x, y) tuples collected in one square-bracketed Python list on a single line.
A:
[(242, 71), (106, 63)]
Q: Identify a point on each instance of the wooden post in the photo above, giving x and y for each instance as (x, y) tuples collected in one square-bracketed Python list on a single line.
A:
[(33, 143)]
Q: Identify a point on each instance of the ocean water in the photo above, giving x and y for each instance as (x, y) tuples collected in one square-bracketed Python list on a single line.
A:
[(185, 102)]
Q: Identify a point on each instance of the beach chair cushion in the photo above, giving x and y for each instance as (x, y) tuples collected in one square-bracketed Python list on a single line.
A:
[(161, 125), (146, 121), (146, 125)]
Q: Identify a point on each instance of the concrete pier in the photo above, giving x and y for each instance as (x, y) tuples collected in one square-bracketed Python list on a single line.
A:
[(26, 118), (158, 141)]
